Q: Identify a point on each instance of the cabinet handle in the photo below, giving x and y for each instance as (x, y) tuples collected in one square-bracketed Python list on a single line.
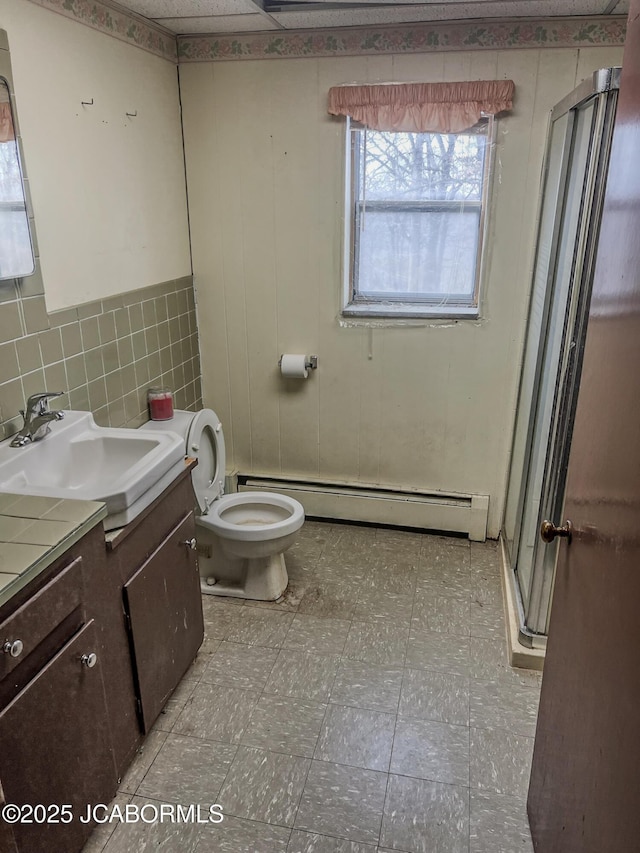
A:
[(13, 648), (89, 660), (191, 544)]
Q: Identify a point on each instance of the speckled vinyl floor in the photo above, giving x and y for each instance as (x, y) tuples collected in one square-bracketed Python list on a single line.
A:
[(371, 710)]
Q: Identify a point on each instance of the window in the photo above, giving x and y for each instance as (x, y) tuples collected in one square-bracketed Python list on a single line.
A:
[(416, 220)]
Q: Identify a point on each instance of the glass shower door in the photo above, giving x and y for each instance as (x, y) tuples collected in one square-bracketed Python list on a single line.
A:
[(574, 184)]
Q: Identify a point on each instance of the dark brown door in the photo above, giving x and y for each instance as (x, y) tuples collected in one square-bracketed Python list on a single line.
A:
[(55, 749), (164, 607), (585, 784)]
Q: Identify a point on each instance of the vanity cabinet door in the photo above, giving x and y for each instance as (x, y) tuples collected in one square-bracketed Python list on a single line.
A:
[(55, 747), (164, 609)]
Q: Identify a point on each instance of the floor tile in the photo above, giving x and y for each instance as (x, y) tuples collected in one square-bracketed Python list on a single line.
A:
[(356, 538), (486, 620), (498, 824), (446, 550), (257, 627), (392, 577), (342, 801), (436, 696), (285, 725), (187, 770), (356, 737), (489, 661), (142, 836), (508, 706), (303, 675), (235, 835), (240, 666), (330, 599), (500, 761), (445, 581), (103, 832), (216, 713), (374, 605), (203, 657), (300, 567), (430, 750), (350, 569), (485, 556), (264, 786), (438, 652), (219, 617), (487, 590), (364, 685), (307, 842), (441, 614), (425, 817), (143, 760), (175, 704), (377, 643), (317, 634)]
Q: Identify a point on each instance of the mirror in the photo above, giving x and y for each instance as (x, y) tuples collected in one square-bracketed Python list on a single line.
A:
[(16, 250)]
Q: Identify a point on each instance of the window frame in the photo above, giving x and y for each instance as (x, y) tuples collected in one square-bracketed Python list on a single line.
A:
[(393, 305)]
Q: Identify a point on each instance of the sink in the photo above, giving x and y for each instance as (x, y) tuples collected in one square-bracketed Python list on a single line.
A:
[(125, 468)]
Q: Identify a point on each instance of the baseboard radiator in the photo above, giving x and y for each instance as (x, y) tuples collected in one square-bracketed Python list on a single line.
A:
[(453, 513)]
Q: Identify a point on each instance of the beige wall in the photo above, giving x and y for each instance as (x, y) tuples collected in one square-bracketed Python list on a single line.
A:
[(108, 191), (429, 407)]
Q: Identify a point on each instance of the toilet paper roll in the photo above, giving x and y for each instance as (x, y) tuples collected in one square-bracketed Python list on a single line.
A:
[(293, 366)]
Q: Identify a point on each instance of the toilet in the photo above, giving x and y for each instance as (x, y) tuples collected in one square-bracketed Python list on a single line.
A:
[(241, 537)]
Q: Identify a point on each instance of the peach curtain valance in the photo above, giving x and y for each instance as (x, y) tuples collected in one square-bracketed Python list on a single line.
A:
[(6, 124), (422, 107)]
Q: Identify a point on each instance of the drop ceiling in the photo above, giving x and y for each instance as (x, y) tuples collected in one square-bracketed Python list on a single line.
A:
[(237, 16)]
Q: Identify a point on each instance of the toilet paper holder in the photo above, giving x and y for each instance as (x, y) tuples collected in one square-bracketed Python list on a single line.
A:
[(311, 362)]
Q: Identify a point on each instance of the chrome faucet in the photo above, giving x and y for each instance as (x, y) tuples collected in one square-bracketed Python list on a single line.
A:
[(37, 418)]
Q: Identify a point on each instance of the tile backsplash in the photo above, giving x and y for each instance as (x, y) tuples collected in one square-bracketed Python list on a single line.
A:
[(104, 355)]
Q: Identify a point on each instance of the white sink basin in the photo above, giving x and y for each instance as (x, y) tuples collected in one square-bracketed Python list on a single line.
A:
[(125, 468)]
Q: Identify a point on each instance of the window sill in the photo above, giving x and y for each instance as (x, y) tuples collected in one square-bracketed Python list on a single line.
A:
[(415, 311)]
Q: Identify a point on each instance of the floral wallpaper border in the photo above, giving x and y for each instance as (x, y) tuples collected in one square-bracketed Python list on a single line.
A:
[(407, 38), (117, 23), (351, 41)]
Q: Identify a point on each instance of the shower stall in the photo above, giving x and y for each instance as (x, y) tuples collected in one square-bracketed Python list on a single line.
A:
[(573, 184)]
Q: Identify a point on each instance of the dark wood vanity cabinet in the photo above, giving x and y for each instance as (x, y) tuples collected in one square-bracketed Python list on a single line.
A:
[(106, 634)]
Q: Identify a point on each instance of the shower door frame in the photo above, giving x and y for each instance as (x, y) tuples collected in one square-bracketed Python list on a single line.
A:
[(602, 87)]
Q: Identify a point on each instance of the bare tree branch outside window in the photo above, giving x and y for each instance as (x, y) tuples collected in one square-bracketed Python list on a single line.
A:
[(417, 204)]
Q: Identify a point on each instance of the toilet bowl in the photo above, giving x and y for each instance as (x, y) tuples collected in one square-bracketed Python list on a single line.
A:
[(241, 537)]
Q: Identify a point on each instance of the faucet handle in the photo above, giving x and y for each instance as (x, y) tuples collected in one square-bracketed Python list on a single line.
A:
[(38, 402)]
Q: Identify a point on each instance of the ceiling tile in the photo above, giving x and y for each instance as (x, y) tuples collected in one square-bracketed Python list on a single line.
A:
[(436, 12), (219, 24), (189, 8)]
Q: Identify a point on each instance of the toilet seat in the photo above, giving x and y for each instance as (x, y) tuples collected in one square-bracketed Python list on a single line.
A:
[(242, 536), (254, 516), (205, 440)]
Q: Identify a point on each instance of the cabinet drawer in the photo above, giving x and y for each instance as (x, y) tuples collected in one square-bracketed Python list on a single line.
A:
[(25, 629)]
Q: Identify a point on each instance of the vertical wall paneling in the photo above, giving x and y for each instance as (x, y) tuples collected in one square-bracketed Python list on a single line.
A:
[(427, 406)]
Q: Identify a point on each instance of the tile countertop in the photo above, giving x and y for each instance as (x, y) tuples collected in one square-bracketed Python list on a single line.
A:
[(35, 531)]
